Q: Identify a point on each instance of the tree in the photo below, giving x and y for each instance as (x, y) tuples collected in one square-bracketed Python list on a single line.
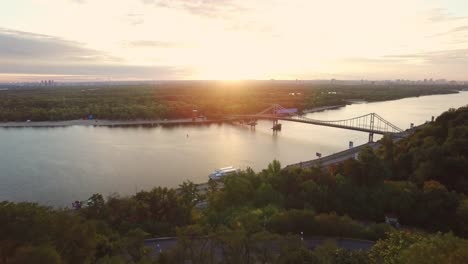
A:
[(188, 197), (440, 205), (438, 248), (188, 194), (96, 207), (238, 190), (193, 245), (293, 250), (274, 168), (372, 169), (43, 254), (325, 253), (232, 244), (266, 195), (352, 169), (388, 154), (389, 251), (293, 221), (315, 195), (263, 247), (462, 217), (111, 260), (132, 244)]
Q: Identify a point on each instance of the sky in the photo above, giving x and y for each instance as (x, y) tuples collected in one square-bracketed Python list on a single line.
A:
[(233, 39)]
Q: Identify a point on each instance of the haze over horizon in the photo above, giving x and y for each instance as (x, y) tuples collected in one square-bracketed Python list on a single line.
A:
[(233, 39)]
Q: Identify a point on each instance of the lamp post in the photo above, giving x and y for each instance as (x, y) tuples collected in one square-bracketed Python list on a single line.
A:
[(159, 248), (302, 236)]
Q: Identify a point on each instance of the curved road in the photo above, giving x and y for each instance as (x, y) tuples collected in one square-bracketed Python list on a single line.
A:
[(162, 244)]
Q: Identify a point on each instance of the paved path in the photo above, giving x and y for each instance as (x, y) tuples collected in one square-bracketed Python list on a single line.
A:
[(167, 243), (347, 154), (334, 158)]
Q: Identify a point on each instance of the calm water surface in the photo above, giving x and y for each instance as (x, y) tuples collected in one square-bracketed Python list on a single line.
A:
[(56, 166)]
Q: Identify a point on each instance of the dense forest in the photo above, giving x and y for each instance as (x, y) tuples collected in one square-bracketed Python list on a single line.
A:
[(177, 99), (256, 217)]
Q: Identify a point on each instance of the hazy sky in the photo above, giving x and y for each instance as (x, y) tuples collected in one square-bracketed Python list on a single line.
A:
[(233, 39)]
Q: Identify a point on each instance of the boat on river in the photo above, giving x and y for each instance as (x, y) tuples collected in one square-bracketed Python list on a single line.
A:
[(223, 172)]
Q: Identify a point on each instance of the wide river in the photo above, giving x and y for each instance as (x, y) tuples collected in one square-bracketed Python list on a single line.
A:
[(55, 166)]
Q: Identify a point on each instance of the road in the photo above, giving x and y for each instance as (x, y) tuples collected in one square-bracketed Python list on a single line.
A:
[(163, 244), (334, 158), (347, 154)]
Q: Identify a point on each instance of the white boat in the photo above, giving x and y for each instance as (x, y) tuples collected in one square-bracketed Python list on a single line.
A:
[(222, 172)]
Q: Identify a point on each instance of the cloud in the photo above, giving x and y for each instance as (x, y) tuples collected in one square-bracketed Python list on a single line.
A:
[(443, 15), (19, 45), (207, 8), (454, 31), (460, 29), (29, 53), (154, 44), (446, 57), (434, 64), (135, 19), (118, 71)]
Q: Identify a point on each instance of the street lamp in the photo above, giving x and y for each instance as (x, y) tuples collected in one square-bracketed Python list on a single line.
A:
[(159, 247), (302, 236)]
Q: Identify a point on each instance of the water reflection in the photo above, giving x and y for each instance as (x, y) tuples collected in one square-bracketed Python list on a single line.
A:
[(58, 165)]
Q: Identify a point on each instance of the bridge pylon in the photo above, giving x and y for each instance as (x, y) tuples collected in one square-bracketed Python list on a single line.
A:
[(371, 134), (370, 123)]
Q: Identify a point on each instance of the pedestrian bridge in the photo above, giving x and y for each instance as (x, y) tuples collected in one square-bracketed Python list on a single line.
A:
[(370, 123)]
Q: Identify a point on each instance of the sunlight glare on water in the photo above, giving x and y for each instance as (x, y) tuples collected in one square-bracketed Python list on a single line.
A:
[(56, 166)]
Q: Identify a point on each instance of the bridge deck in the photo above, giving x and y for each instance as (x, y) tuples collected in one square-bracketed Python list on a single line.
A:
[(334, 158), (315, 122)]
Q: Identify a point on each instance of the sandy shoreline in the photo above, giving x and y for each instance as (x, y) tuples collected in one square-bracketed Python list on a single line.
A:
[(108, 123), (99, 122), (322, 108)]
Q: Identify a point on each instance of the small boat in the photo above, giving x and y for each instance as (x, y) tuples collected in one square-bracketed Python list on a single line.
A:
[(222, 172)]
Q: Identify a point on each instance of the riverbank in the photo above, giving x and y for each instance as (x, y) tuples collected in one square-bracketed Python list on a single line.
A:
[(119, 123), (110, 123), (322, 108), (177, 100), (54, 166)]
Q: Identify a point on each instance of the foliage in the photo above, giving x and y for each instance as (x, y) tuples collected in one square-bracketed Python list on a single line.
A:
[(438, 152), (178, 99), (404, 247), (28, 230), (259, 217)]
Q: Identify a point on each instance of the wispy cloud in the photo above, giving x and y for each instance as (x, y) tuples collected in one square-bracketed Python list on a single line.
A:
[(436, 57), (135, 19), (456, 30), (29, 53), (117, 71), (199, 7), (443, 15), (154, 44), (19, 45)]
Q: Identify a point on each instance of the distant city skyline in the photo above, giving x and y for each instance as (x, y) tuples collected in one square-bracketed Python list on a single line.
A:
[(102, 40)]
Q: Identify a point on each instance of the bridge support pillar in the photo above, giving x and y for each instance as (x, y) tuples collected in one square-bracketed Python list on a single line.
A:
[(252, 123), (371, 137), (276, 125)]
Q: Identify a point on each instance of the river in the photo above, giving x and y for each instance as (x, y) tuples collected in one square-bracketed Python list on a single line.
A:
[(55, 166)]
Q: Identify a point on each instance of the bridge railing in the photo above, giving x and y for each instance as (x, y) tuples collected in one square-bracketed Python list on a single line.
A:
[(372, 122)]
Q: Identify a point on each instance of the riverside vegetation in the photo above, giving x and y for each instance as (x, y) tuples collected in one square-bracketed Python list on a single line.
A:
[(257, 217), (178, 99)]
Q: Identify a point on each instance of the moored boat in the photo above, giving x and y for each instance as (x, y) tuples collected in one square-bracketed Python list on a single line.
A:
[(222, 172)]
